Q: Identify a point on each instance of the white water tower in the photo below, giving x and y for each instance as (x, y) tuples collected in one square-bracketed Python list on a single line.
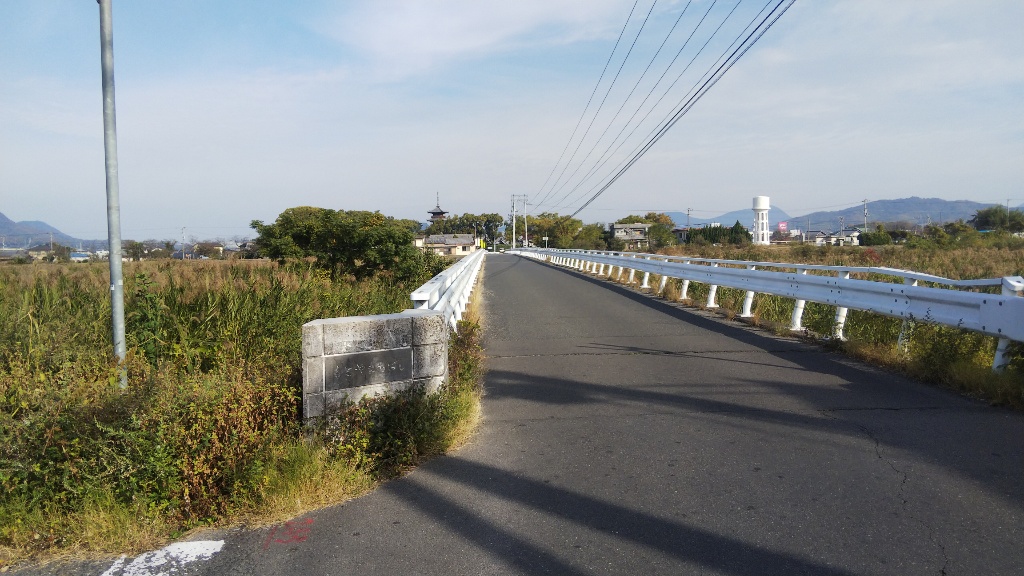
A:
[(762, 236)]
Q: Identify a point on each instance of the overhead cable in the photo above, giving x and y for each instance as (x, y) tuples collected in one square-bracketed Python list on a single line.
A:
[(606, 93), (738, 53), (592, 92)]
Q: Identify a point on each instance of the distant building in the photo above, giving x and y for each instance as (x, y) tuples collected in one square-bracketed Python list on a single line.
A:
[(448, 244), (845, 237), (634, 234)]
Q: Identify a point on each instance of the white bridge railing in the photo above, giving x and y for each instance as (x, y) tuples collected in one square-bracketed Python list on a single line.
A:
[(449, 291), (943, 301)]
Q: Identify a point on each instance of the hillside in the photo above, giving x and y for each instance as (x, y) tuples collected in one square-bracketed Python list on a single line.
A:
[(745, 217), (913, 210), (22, 234)]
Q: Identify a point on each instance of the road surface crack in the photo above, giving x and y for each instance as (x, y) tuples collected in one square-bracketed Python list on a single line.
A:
[(901, 492)]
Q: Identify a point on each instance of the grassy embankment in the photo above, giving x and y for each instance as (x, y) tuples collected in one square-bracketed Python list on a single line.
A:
[(951, 357), (208, 430)]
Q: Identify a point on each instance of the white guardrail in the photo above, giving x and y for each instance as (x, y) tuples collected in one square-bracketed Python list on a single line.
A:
[(449, 291), (952, 304)]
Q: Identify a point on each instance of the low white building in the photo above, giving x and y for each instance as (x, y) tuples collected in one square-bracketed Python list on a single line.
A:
[(448, 244)]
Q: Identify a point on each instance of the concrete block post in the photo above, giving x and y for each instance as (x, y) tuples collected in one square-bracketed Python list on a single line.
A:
[(796, 320), (712, 292), (748, 300), (841, 312), (344, 359)]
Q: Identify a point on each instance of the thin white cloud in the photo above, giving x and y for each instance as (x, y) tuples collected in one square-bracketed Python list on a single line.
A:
[(402, 38)]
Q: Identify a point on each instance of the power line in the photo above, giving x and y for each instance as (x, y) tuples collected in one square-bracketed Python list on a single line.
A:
[(688, 94), (602, 159), (628, 96), (608, 152), (740, 51), (607, 93), (592, 92)]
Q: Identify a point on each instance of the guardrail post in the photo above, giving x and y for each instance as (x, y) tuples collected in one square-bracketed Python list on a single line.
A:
[(632, 274), (661, 286), (618, 278), (907, 328), (796, 321), (748, 299), (1002, 358), (686, 288), (712, 291), (841, 311)]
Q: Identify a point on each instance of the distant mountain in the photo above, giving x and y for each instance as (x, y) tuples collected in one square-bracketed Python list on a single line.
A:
[(913, 210), (745, 217), (22, 234)]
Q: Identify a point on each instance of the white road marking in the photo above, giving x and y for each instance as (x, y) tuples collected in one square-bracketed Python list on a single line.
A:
[(166, 561)]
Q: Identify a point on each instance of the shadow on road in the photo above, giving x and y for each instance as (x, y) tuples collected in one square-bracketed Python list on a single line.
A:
[(673, 539)]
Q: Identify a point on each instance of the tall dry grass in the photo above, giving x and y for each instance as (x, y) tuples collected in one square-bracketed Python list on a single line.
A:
[(208, 427)]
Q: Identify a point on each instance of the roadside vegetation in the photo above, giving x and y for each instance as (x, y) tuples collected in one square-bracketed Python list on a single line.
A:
[(208, 430)]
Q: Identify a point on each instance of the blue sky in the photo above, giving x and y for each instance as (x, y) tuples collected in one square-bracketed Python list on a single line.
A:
[(232, 111)]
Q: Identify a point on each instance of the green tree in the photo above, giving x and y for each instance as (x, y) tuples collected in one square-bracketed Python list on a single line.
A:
[(292, 234), (134, 250), (737, 234), (591, 237), (880, 237), (998, 218), (353, 242)]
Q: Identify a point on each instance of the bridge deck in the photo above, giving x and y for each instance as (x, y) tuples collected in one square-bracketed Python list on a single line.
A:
[(623, 435)]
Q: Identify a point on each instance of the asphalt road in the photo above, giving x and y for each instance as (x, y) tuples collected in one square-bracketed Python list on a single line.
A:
[(625, 435)]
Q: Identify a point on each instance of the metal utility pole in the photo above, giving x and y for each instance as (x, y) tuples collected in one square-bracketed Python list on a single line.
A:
[(526, 232), (865, 215), (513, 222), (113, 201), (525, 222)]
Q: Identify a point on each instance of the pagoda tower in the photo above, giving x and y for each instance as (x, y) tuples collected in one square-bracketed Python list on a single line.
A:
[(437, 214)]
